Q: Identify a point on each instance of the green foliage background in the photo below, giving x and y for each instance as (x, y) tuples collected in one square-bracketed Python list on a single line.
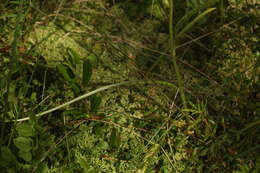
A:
[(52, 52)]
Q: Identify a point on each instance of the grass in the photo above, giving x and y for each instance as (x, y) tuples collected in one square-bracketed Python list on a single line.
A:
[(121, 87)]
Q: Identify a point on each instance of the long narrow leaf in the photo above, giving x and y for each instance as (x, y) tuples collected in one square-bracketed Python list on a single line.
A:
[(73, 57), (66, 72), (94, 92), (79, 98), (185, 19), (208, 4), (87, 72), (194, 21), (95, 102)]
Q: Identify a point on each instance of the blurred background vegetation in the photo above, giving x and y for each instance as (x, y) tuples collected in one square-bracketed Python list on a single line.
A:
[(129, 86)]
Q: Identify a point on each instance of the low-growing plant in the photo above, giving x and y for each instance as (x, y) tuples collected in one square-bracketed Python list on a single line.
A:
[(127, 86)]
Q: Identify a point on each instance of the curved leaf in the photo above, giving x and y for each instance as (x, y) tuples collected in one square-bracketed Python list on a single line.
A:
[(194, 21), (27, 156), (73, 58), (25, 130), (92, 59), (66, 72), (23, 144)]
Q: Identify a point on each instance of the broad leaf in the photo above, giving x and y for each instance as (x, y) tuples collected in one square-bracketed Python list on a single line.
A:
[(7, 158), (25, 130), (23, 144), (27, 156), (92, 59)]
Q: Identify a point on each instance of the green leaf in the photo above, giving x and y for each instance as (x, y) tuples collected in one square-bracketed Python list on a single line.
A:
[(76, 88), (75, 114), (85, 166), (95, 102), (43, 168), (7, 158), (201, 4), (93, 59), (25, 130), (193, 22), (68, 170), (115, 138), (74, 58), (66, 72), (254, 124), (27, 156), (183, 21), (87, 72), (23, 144)]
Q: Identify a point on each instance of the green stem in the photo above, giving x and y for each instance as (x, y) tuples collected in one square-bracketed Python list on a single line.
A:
[(173, 42)]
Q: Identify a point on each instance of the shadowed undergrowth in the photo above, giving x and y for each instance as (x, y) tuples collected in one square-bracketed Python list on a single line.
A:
[(113, 86)]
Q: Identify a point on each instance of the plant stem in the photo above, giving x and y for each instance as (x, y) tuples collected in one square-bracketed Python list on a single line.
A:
[(173, 42)]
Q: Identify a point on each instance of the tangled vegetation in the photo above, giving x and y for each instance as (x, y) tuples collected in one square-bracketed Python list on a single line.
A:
[(129, 86)]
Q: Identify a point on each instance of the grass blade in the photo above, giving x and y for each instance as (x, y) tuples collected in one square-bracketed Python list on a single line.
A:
[(194, 21), (87, 72), (66, 72), (92, 93)]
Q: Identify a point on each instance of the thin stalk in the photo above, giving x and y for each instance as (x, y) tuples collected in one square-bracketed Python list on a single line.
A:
[(173, 42), (77, 99), (66, 140), (94, 92)]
